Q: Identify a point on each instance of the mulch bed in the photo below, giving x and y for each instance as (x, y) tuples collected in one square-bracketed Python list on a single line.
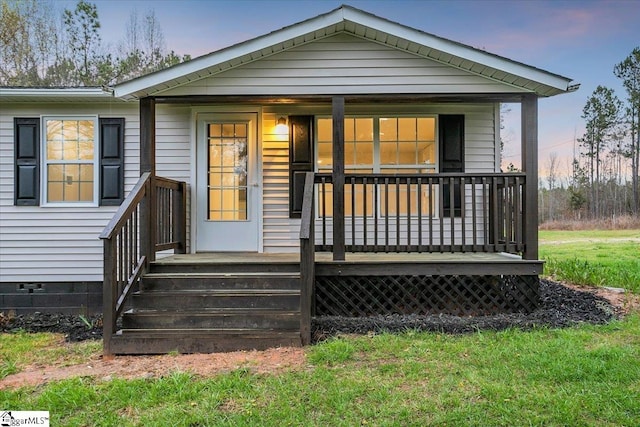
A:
[(560, 307)]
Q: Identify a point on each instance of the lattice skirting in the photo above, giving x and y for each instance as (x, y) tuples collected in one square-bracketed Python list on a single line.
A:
[(356, 296)]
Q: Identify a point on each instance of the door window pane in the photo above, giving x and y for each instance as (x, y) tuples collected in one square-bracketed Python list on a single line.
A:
[(227, 171)]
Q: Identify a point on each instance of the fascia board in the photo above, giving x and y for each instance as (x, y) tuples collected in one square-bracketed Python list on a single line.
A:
[(54, 92)]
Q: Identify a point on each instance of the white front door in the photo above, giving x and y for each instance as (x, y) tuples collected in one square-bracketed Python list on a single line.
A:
[(228, 193)]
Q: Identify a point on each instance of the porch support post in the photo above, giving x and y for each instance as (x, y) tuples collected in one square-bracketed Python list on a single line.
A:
[(337, 106), (148, 164), (529, 150)]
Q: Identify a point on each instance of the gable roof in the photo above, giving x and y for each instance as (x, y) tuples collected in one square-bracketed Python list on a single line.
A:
[(356, 22)]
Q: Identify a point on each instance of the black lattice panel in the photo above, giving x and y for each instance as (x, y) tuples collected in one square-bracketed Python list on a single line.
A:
[(356, 296)]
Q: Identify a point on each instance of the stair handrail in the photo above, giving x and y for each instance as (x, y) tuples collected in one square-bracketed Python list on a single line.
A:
[(307, 258), (125, 257)]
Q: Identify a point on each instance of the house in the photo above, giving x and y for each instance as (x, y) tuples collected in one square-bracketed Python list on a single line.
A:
[(344, 165)]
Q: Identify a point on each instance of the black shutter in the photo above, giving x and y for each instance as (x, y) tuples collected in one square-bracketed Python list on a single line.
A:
[(27, 161), (111, 162), (300, 160), (451, 131)]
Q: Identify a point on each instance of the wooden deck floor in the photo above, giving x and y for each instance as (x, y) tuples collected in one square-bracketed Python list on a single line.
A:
[(378, 263)]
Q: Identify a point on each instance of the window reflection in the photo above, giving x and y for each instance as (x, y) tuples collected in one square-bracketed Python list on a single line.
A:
[(70, 154)]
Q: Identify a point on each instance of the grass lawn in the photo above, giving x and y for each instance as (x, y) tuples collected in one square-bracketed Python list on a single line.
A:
[(582, 376), (588, 375), (594, 258)]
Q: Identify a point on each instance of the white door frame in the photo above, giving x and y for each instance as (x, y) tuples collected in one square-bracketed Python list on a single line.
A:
[(202, 113)]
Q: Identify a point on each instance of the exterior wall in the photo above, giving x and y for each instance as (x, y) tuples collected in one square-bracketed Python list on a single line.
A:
[(43, 244), (280, 233), (341, 64), (56, 244), (60, 244)]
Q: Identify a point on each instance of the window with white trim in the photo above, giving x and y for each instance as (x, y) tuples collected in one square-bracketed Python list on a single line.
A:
[(382, 144), (70, 160)]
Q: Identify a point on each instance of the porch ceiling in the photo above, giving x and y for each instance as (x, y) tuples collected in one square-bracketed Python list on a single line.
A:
[(360, 24)]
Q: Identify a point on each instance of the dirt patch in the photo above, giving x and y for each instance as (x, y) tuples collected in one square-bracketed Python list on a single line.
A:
[(562, 306), (204, 365)]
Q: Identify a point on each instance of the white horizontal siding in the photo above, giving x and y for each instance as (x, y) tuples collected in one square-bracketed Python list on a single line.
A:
[(341, 64), (173, 148), (278, 230), (56, 244)]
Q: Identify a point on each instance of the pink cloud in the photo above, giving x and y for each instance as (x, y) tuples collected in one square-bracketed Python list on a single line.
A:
[(553, 24)]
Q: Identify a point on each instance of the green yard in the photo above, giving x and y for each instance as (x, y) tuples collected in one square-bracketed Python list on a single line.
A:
[(595, 258), (586, 376)]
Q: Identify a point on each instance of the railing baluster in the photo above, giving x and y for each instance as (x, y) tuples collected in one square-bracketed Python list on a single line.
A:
[(408, 184), (365, 218), (496, 215), (474, 214), (508, 204), (431, 213), (353, 214), (397, 180), (452, 212), (386, 214), (419, 207), (485, 213), (376, 192), (517, 215), (441, 200), (463, 207), (324, 212)]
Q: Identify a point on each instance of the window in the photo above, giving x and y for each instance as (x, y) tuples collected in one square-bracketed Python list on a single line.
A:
[(387, 145), (69, 160), (381, 144)]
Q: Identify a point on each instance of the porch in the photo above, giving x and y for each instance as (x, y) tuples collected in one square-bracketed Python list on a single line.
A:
[(369, 243), (461, 264)]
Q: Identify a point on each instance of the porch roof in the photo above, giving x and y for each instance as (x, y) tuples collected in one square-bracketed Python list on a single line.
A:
[(358, 23)]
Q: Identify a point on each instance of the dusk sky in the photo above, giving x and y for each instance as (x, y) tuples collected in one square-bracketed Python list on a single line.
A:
[(582, 40)]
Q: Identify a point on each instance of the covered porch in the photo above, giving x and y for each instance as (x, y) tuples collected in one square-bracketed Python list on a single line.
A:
[(465, 243)]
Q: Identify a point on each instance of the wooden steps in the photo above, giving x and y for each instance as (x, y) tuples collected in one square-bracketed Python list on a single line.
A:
[(204, 308)]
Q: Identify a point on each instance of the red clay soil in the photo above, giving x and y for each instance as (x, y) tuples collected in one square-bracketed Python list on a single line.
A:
[(128, 367)]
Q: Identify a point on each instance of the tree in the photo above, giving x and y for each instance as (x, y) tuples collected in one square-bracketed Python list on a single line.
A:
[(28, 39), (552, 176), (629, 71), (602, 115), (82, 25), (40, 45), (143, 49)]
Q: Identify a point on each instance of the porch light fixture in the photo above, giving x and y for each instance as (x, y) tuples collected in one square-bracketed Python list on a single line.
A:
[(281, 126)]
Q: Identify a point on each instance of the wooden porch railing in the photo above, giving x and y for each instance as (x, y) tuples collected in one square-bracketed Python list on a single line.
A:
[(444, 212), (307, 259), (127, 250)]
